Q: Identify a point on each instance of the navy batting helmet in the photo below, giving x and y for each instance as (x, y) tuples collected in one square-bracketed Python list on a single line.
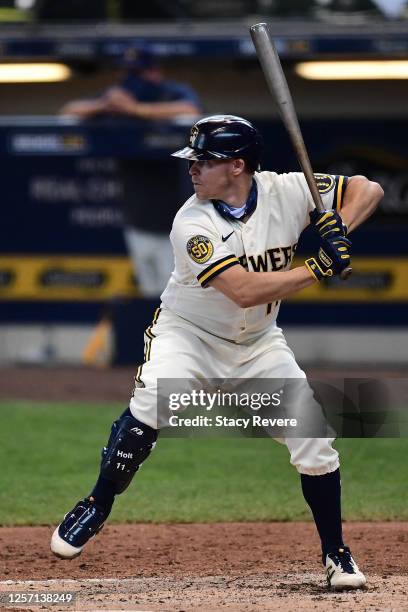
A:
[(223, 137)]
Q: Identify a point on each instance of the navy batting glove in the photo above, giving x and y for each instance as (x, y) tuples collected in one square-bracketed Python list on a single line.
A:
[(328, 224), (332, 258)]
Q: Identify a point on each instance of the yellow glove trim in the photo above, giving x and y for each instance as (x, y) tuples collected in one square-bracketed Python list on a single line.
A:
[(332, 222), (328, 214), (311, 264)]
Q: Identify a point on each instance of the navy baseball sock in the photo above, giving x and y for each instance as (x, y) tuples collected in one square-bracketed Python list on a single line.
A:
[(104, 494), (323, 494)]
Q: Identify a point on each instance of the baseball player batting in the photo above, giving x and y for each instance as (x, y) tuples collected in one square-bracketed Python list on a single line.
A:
[(233, 243)]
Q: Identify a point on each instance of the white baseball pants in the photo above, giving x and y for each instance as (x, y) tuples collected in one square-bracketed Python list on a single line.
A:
[(174, 348)]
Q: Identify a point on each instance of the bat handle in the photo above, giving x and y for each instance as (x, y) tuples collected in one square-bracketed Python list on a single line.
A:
[(346, 273)]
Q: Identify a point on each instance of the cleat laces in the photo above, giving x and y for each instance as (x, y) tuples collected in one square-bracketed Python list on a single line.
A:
[(342, 557)]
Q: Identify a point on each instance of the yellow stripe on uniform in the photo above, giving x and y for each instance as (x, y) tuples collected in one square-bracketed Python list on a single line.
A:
[(339, 193), (138, 373), (217, 268), (151, 335), (149, 349), (148, 344), (156, 316)]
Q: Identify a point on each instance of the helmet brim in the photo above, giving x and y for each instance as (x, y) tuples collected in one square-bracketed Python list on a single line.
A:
[(195, 155)]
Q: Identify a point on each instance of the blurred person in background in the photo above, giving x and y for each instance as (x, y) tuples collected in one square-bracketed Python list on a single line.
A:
[(150, 198), (142, 92)]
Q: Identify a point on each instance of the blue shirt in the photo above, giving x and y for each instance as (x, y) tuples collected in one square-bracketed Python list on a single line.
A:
[(164, 91)]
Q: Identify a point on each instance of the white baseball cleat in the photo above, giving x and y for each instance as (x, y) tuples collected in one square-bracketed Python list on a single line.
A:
[(83, 522), (62, 549), (342, 571)]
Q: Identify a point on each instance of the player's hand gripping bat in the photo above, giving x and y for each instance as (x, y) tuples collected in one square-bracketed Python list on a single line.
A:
[(275, 78)]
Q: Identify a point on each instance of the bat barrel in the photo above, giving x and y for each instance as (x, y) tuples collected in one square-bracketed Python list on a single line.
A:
[(278, 86), (276, 81)]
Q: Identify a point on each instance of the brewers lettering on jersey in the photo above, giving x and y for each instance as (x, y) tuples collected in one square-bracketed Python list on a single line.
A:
[(234, 241)]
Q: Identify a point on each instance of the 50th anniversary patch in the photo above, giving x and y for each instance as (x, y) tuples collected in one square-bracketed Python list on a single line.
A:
[(324, 182), (200, 249)]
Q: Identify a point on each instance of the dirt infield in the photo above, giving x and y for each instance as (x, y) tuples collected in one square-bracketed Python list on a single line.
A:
[(73, 384), (86, 384), (235, 566)]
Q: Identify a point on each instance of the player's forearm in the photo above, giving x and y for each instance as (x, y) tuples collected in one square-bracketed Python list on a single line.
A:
[(83, 109), (249, 289), (360, 201), (164, 110), (265, 287)]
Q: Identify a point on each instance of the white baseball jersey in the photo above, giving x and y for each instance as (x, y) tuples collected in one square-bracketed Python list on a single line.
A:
[(205, 244)]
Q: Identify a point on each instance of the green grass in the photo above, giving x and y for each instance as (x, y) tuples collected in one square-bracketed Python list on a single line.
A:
[(49, 458)]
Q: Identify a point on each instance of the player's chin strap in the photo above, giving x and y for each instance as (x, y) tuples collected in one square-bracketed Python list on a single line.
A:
[(225, 209)]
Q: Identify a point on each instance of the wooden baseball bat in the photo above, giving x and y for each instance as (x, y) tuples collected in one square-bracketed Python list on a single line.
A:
[(278, 86)]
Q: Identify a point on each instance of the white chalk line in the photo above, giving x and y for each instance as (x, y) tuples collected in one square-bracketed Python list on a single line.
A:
[(69, 581), (198, 580)]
